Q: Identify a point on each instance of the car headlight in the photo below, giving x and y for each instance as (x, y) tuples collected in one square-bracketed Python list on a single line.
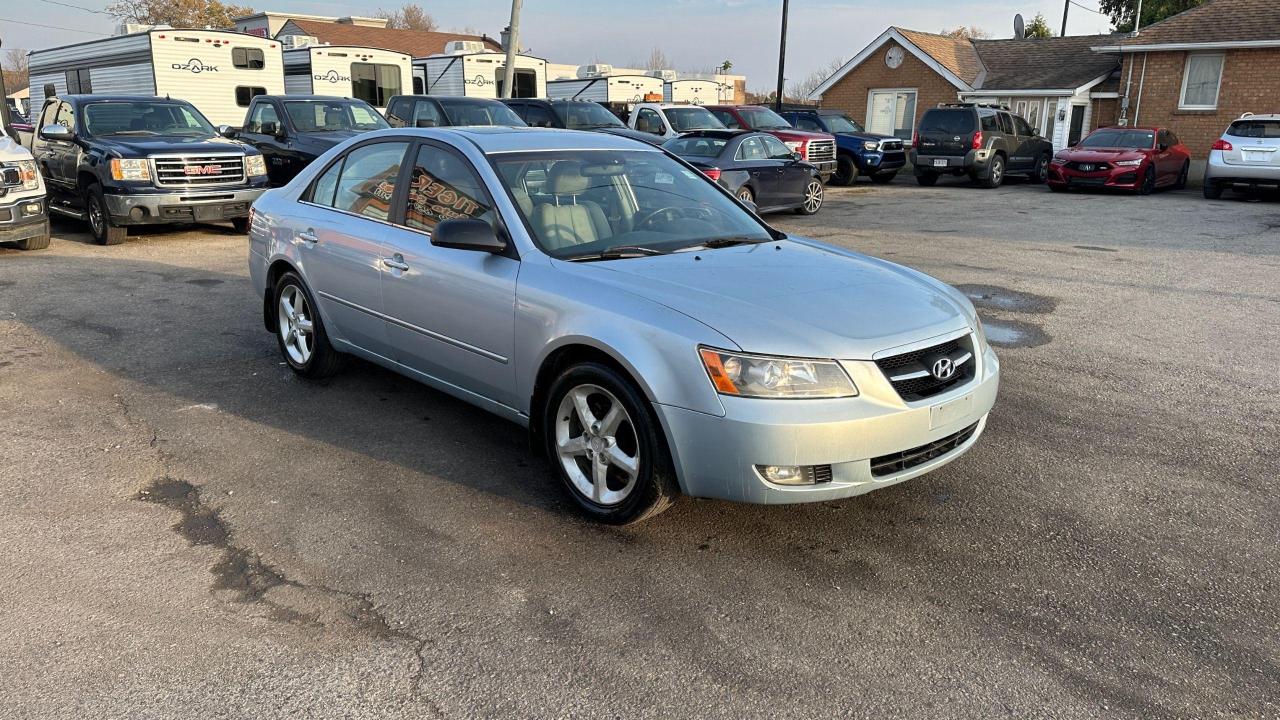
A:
[(870, 145), (794, 145), (1060, 159), (126, 169), (30, 176), (255, 165), (1128, 163), (764, 376)]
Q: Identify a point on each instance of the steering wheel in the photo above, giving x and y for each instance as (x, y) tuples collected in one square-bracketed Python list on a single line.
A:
[(672, 213)]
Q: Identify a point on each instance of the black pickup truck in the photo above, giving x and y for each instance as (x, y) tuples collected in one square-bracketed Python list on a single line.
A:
[(119, 160), (291, 131)]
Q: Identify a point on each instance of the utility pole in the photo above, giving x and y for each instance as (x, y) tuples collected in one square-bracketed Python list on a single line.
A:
[(782, 59), (513, 43), (1066, 5)]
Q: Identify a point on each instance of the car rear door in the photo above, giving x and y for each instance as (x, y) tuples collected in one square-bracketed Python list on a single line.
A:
[(1254, 142), (947, 132), (450, 314)]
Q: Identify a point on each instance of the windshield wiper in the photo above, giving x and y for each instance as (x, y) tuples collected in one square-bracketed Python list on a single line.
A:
[(133, 132), (617, 252), (722, 242)]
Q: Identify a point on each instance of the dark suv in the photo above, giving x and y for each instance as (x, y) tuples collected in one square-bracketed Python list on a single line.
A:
[(986, 142), (422, 111), (575, 115)]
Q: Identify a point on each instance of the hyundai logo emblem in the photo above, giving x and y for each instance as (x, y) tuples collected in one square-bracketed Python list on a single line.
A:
[(943, 368)]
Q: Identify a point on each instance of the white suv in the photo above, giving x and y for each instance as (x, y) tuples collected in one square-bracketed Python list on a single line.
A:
[(1248, 154), (668, 120)]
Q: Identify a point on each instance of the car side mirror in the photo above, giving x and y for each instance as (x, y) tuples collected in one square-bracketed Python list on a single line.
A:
[(796, 156), (269, 128), (228, 132), (424, 123), (468, 234), (544, 123), (1164, 146), (56, 132)]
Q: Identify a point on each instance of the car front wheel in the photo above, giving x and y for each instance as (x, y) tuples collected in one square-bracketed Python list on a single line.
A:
[(606, 446), (846, 172), (300, 332), (1148, 185), (104, 232), (813, 198)]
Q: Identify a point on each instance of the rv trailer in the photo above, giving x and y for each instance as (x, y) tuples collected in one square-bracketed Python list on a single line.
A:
[(609, 90), (478, 74), (369, 74), (218, 71), (694, 92)]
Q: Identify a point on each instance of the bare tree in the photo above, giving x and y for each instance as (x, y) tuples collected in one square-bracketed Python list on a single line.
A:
[(15, 64), (179, 13), (811, 81), (409, 17), (658, 60), (973, 32)]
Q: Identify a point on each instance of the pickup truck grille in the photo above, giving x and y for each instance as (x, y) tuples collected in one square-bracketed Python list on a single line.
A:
[(198, 170), (10, 176), (821, 150), (890, 146)]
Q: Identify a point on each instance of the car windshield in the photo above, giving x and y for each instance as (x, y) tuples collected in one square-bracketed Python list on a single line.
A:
[(703, 147), (604, 204), (325, 115), (587, 116), (470, 112), (842, 124), (759, 118), (947, 122), (1269, 129), (144, 118), (1140, 139), (684, 119)]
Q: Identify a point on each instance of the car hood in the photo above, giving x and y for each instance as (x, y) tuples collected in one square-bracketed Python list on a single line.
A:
[(11, 150), (649, 138), (142, 146), (867, 136), (793, 297), (1101, 154), (798, 135)]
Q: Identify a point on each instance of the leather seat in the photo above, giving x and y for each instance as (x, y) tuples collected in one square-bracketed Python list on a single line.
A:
[(570, 220)]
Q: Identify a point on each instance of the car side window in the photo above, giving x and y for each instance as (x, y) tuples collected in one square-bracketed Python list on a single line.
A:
[(728, 119), (1006, 125), (1024, 127), (368, 180), (66, 117), (537, 116), (398, 112), (775, 148), (426, 114), (444, 186), (321, 192), (49, 113), (805, 123), (263, 119), (989, 122), (648, 121), (752, 149)]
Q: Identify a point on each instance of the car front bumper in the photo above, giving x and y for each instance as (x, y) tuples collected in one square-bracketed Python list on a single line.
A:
[(878, 162), (1127, 177), (182, 206), (23, 218), (1218, 171), (826, 168), (718, 457)]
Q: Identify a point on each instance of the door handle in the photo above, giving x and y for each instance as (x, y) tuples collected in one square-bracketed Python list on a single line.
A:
[(308, 237), (396, 263)]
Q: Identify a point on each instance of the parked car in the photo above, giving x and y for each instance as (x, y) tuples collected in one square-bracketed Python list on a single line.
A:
[(292, 130), (123, 160), (1127, 158), (424, 111), (818, 149), (858, 151), (1247, 155), (756, 167), (667, 120), (575, 115), (23, 219), (661, 339), (985, 142)]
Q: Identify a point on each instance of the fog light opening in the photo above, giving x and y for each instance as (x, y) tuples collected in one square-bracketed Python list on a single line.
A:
[(795, 474)]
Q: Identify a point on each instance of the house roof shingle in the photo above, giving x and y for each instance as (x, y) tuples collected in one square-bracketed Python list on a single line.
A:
[(955, 54), (417, 43), (1215, 21), (1044, 63)]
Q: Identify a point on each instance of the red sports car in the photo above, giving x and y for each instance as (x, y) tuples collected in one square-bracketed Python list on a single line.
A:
[(1129, 158)]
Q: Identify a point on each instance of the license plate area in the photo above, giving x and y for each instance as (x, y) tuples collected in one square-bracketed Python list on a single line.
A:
[(207, 213), (950, 412), (940, 162), (1258, 156)]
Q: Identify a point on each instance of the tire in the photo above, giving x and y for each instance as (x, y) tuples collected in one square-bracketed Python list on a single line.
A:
[(240, 225), (746, 195), (38, 242), (928, 179), (884, 178), (99, 216), (1148, 185), (316, 359), (1040, 174), (995, 173), (846, 172), (813, 198), (1212, 190), (636, 480), (1182, 176)]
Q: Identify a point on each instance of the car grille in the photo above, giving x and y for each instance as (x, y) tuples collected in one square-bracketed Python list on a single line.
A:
[(1089, 166), (10, 176), (821, 150), (890, 146), (905, 460), (198, 170), (911, 373)]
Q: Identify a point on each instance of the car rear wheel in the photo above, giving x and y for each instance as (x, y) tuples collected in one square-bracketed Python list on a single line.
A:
[(745, 195), (1212, 189), (928, 179), (300, 332), (1182, 176), (104, 232), (606, 445), (813, 198), (846, 172), (995, 174), (1148, 185), (1041, 173)]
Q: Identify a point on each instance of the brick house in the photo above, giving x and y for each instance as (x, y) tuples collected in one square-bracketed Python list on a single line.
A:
[(1062, 86), (1197, 71), (416, 43)]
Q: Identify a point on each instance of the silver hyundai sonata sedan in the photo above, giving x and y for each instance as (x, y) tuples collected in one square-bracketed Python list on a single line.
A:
[(655, 336)]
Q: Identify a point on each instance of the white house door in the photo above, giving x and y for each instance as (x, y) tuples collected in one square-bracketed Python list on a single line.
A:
[(892, 112)]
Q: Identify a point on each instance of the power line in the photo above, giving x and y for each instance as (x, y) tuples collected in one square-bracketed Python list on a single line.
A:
[(52, 27), (1073, 2), (76, 7)]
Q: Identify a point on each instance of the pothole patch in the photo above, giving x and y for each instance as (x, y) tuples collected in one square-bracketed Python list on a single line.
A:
[(1014, 333), (993, 297)]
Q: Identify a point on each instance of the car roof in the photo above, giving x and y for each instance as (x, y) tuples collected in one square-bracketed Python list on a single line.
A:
[(500, 139), (320, 98), (1260, 116), (81, 97), (1148, 128), (720, 134)]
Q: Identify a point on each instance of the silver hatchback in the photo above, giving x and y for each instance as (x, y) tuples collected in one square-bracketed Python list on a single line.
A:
[(654, 335), (1247, 155)]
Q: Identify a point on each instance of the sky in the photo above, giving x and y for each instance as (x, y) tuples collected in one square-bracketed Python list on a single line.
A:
[(694, 34)]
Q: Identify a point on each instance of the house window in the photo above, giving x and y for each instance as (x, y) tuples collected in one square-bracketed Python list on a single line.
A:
[(1201, 81), (248, 58), (892, 112)]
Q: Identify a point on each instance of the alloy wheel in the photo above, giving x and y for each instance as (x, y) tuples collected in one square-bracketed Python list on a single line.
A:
[(296, 325), (997, 172), (813, 197), (597, 444), (96, 221), (744, 194)]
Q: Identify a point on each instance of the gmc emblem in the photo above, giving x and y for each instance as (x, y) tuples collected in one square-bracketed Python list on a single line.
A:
[(202, 169)]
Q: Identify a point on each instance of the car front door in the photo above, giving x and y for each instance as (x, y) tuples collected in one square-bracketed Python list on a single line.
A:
[(450, 313), (339, 228), (48, 153), (794, 174), (1028, 144), (765, 174), (263, 130), (1168, 163)]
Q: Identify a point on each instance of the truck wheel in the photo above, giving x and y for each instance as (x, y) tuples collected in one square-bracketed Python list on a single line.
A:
[(846, 172), (240, 225), (104, 232), (928, 179), (38, 242)]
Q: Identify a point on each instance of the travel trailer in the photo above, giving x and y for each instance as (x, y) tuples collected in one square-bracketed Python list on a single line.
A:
[(218, 71), (460, 70), (695, 92), (369, 74), (610, 90)]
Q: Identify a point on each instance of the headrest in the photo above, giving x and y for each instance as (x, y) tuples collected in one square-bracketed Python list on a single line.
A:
[(567, 179)]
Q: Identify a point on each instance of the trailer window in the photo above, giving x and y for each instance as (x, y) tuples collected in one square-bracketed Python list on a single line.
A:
[(248, 58), (375, 83), (246, 93), (78, 82), (526, 83)]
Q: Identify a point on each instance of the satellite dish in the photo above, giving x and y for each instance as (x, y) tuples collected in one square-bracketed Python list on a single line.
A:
[(1019, 28)]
